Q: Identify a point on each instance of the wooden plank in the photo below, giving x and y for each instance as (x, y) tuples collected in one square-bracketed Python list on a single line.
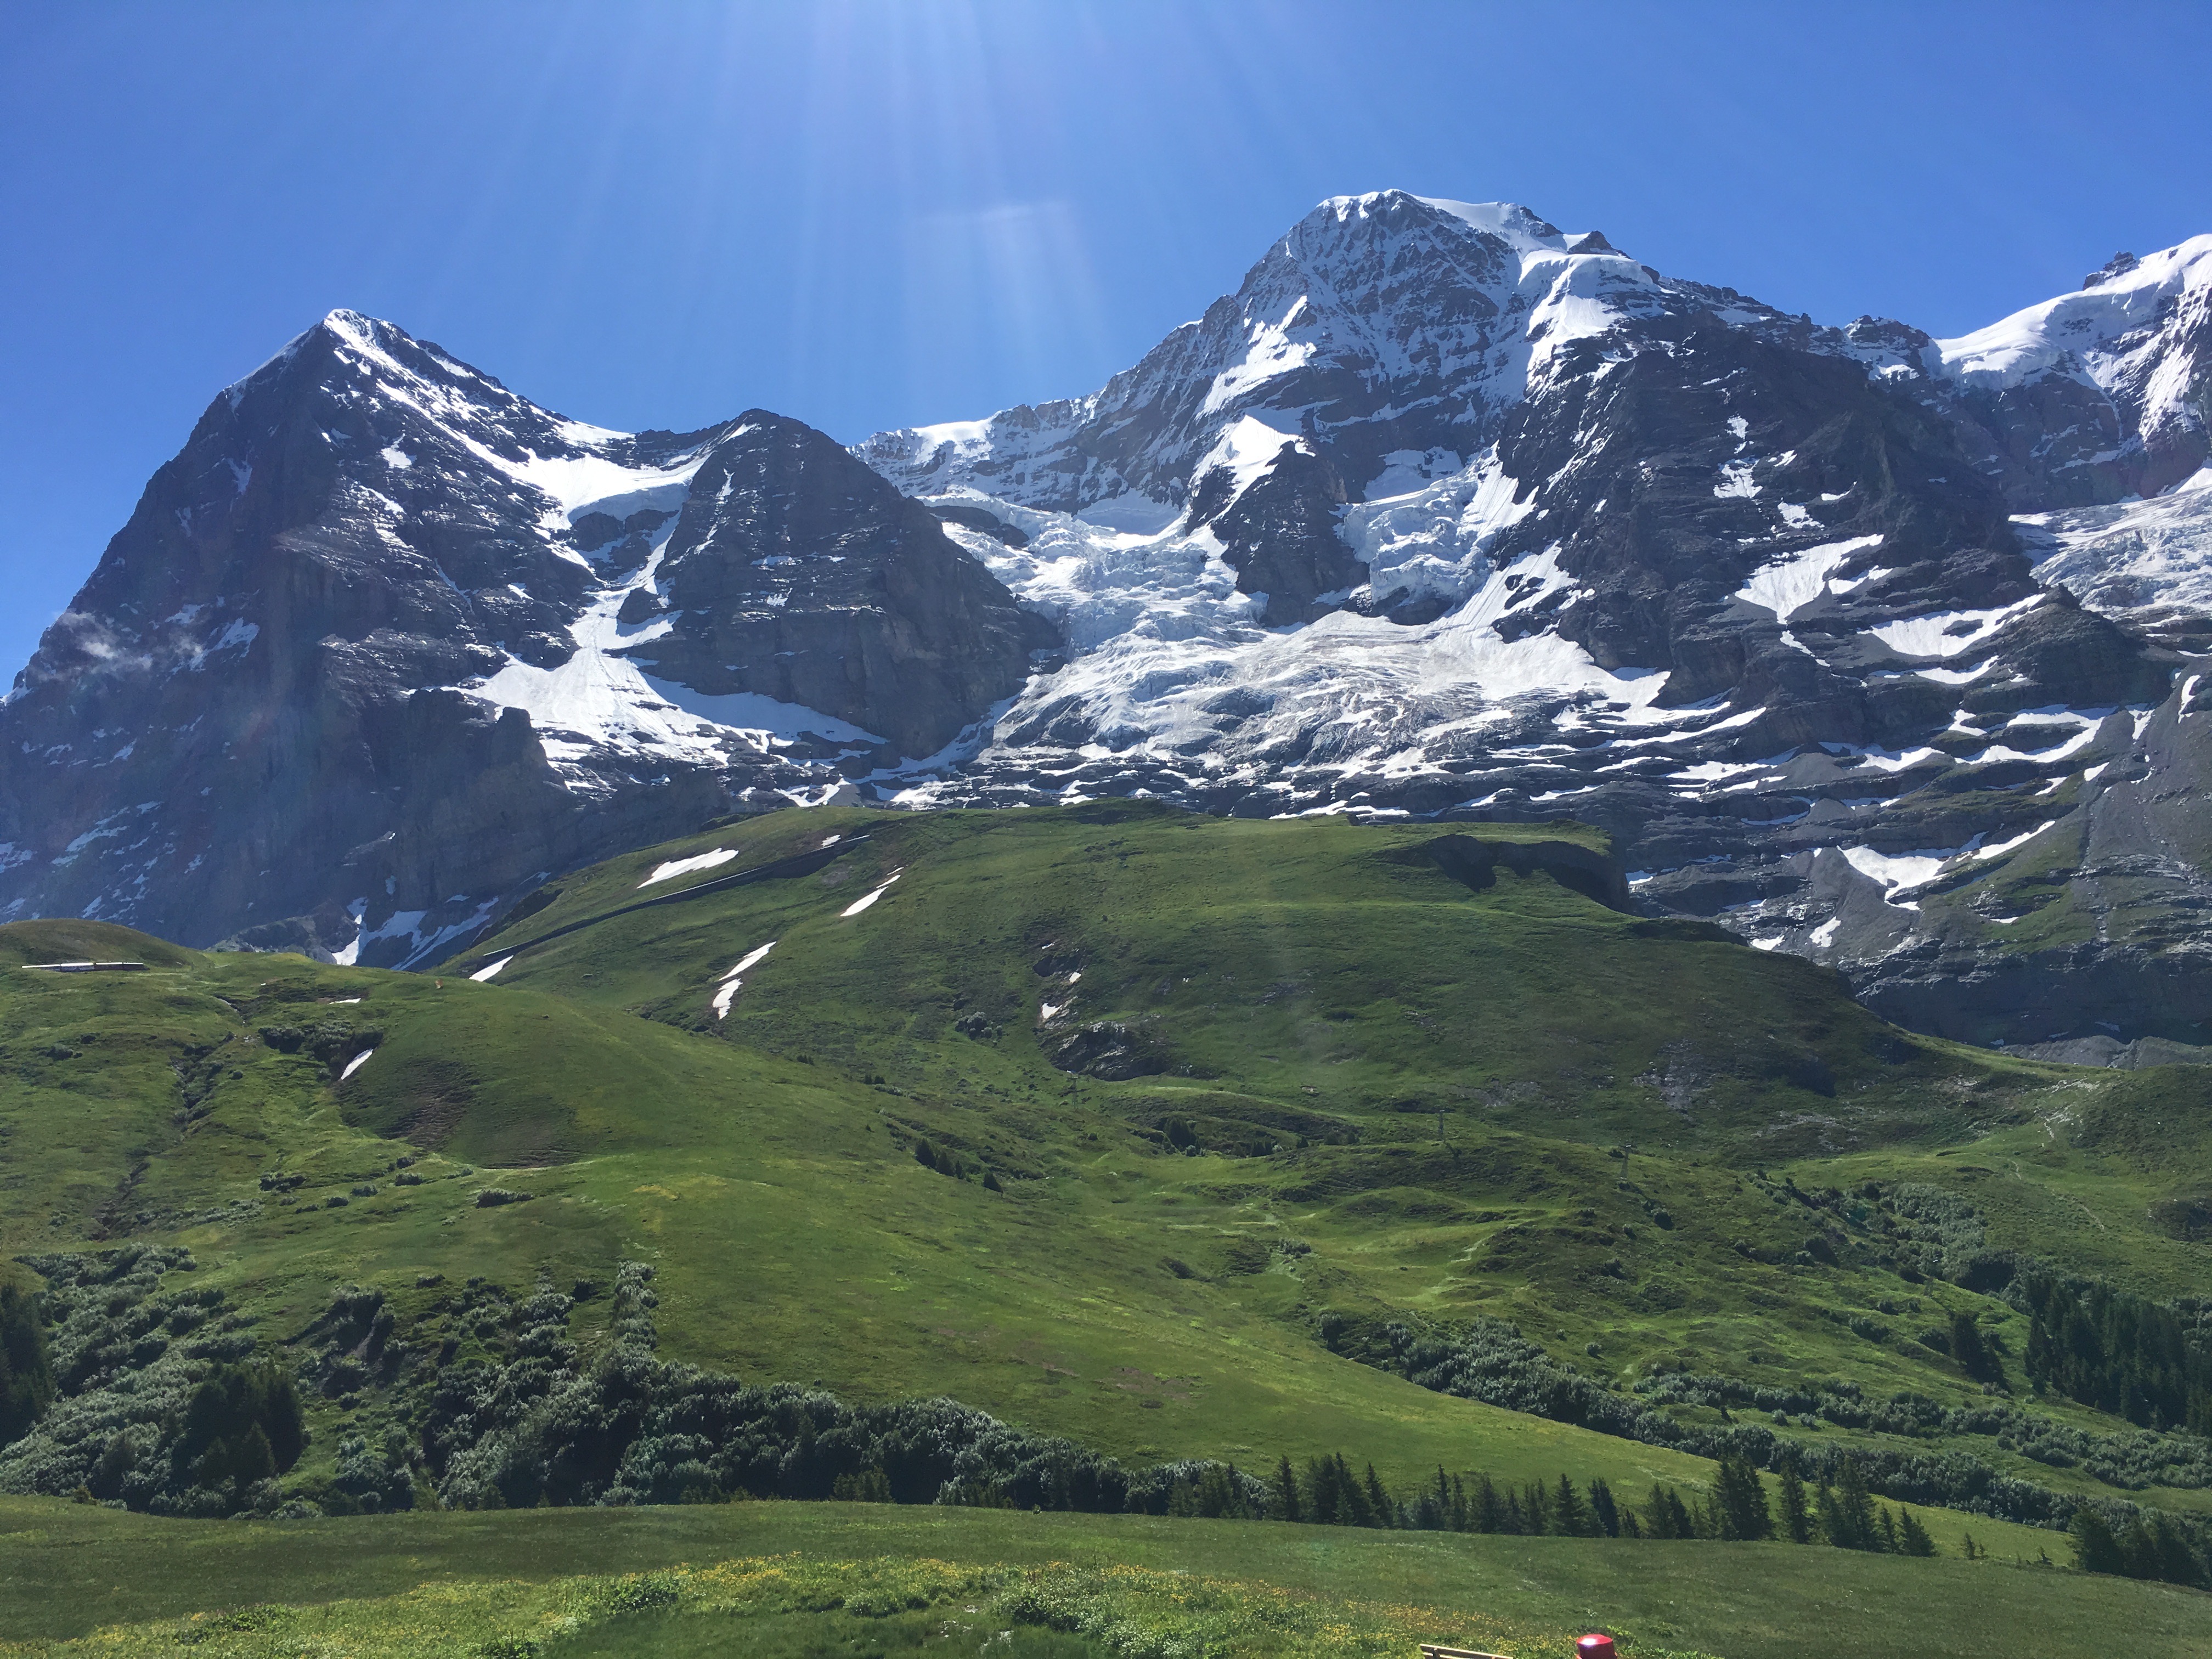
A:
[(1432, 1650)]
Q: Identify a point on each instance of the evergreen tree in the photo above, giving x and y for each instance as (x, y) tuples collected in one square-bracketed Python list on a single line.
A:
[(1538, 1509), (1886, 1531), (1459, 1515), (1570, 1515), (242, 1423), (1972, 1353), (1287, 1493), (1855, 1506), (27, 1374), (1433, 1509), (1218, 1495), (1381, 1512), (2179, 1564), (1704, 1517), (1833, 1526), (1353, 1509), (1324, 1504), (1489, 1514), (1912, 1538), (2120, 1352), (2153, 1547), (1603, 1509), (2095, 1548), (1662, 1514), (1516, 1518), (1630, 1526), (1739, 1502), (1796, 1524)]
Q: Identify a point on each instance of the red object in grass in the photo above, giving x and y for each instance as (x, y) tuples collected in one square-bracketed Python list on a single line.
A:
[(1595, 1647)]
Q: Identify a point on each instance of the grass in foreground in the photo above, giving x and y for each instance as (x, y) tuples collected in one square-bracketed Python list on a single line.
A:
[(826, 1579)]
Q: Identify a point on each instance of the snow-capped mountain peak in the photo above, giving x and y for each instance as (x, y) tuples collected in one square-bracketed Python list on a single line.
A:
[(2098, 394), (1389, 325), (2129, 300), (376, 584), (1528, 232)]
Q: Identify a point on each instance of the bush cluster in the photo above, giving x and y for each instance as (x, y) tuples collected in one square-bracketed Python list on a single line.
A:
[(2130, 1460), (153, 1409)]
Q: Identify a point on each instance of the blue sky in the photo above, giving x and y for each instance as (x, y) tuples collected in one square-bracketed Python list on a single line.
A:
[(871, 213)]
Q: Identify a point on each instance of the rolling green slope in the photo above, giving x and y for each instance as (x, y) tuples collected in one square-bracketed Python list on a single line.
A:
[(1337, 968), (795, 1234), (1375, 1087), (1178, 1137)]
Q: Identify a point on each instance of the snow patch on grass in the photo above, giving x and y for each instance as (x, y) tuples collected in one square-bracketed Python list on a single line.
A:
[(731, 982), (674, 867), (867, 899)]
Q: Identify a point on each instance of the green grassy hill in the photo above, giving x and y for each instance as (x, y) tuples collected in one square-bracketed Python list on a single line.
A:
[(795, 1236), (1374, 1091), (1180, 1138)]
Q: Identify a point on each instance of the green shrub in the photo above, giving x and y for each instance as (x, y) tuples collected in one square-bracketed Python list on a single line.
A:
[(645, 1592)]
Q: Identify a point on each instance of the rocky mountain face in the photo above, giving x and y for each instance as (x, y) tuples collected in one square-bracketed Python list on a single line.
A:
[(780, 534), (1884, 650), (1877, 648), (385, 644)]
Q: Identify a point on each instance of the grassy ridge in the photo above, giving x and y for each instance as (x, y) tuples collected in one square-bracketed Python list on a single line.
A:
[(1319, 961)]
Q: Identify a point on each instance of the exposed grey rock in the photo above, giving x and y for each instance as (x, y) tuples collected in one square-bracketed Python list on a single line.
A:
[(1627, 487), (1109, 1049), (1280, 536), (311, 698), (796, 573)]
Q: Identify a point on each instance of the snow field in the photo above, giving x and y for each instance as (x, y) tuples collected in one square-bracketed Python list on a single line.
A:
[(2135, 555), (1932, 635), (1796, 580), (598, 702)]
